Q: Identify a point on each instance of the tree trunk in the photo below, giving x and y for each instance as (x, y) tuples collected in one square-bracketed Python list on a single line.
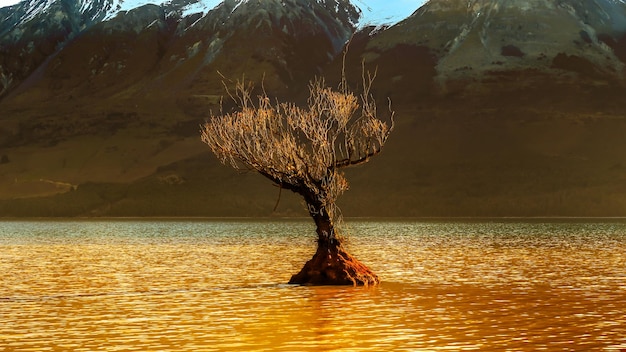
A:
[(332, 264)]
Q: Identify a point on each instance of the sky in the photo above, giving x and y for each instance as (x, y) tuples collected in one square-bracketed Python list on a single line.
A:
[(389, 11)]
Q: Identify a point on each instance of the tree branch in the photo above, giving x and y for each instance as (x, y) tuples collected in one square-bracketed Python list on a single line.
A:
[(349, 162)]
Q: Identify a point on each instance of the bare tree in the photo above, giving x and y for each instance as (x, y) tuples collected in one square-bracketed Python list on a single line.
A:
[(304, 150)]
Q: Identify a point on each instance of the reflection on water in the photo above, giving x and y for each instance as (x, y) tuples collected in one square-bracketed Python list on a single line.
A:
[(219, 285)]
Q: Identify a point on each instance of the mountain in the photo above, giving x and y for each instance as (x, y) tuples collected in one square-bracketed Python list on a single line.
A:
[(129, 90), (46, 36), (471, 39), (33, 30), (112, 70), (503, 107)]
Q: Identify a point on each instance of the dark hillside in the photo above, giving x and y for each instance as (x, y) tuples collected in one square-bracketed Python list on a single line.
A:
[(107, 124)]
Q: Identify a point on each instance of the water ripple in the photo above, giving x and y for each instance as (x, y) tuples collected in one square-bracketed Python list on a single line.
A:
[(219, 285)]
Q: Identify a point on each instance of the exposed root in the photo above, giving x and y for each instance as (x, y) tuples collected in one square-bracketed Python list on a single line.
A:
[(332, 265)]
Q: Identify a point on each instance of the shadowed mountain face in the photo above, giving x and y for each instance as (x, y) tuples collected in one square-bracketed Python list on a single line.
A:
[(503, 108)]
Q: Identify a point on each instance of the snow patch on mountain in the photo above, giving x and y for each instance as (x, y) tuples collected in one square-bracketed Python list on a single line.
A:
[(34, 7), (192, 8), (200, 7)]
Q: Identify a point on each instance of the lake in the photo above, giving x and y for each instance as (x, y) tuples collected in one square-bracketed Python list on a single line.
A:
[(219, 285)]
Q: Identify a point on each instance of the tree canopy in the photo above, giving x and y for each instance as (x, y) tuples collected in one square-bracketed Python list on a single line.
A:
[(301, 149)]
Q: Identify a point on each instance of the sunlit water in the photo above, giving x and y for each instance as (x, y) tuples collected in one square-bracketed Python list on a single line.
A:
[(220, 285)]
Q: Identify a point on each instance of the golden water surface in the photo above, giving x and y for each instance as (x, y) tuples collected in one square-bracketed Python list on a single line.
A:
[(220, 286)]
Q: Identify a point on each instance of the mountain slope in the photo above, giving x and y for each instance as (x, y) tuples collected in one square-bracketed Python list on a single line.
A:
[(475, 37), (33, 30), (503, 108), (134, 88)]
